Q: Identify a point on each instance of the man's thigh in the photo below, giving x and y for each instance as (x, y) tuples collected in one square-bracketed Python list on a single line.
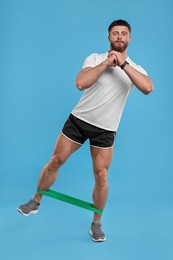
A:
[(64, 147), (101, 158)]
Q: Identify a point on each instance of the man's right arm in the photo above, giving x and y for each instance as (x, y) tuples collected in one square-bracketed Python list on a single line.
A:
[(88, 76)]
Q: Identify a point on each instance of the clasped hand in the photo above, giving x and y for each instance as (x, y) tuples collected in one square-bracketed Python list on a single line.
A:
[(114, 58)]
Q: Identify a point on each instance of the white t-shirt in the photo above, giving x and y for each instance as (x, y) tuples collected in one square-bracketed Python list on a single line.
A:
[(102, 104)]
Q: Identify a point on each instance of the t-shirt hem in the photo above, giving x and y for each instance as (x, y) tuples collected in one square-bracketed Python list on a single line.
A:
[(91, 123)]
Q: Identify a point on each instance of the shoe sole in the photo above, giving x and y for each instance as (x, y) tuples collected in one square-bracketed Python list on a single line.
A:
[(97, 240), (25, 214)]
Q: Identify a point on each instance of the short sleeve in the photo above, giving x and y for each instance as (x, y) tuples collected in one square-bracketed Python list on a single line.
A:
[(140, 69), (90, 61)]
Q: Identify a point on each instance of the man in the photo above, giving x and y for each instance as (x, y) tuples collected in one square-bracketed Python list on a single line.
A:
[(107, 80)]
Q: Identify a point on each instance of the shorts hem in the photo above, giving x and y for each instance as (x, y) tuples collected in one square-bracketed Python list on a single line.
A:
[(70, 139), (102, 147)]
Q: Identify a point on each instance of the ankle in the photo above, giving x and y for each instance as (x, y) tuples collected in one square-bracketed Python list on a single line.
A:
[(38, 197), (95, 221)]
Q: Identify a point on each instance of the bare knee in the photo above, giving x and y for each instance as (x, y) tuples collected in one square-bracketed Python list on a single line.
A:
[(101, 176), (54, 164), (56, 161)]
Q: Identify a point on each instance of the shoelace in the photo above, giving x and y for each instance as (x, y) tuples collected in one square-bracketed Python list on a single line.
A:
[(30, 203)]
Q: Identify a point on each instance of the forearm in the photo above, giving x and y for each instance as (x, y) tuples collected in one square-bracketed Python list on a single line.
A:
[(88, 76), (141, 81)]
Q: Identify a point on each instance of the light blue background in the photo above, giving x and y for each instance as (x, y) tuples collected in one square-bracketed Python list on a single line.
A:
[(42, 47)]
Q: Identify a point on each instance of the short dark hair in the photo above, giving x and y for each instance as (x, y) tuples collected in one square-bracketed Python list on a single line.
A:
[(119, 23)]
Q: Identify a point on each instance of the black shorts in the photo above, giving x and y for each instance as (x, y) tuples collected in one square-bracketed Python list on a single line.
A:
[(79, 131)]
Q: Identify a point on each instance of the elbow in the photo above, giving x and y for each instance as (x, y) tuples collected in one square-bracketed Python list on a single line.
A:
[(78, 85), (149, 88)]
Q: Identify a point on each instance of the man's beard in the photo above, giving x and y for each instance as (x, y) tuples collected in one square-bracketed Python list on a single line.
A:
[(119, 48)]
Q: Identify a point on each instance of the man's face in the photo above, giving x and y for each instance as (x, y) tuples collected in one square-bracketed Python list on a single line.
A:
[(119, 38)]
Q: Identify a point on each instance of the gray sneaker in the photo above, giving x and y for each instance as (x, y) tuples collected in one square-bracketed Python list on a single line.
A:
[(96, 232), (31, 207)]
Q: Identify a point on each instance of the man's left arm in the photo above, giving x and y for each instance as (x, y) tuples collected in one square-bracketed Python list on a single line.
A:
[(141, 81)]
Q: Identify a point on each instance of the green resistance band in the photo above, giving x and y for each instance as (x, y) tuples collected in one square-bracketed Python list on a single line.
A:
[(70, 200)]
